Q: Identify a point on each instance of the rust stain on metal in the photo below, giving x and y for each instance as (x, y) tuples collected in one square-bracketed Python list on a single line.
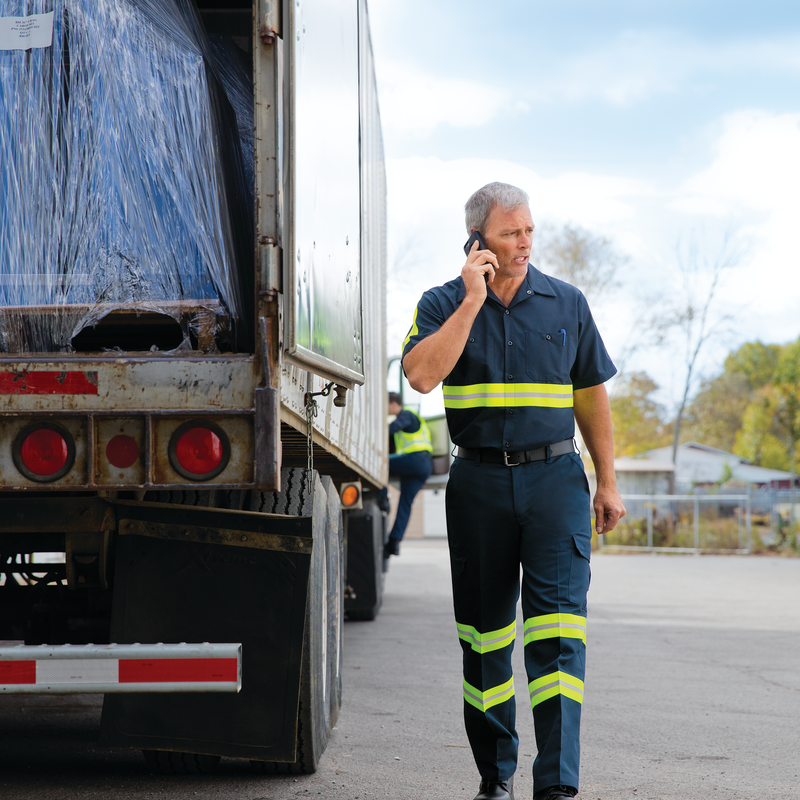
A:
[(267, 35)]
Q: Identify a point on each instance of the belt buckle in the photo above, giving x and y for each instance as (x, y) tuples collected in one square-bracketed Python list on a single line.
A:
[(506, 462)]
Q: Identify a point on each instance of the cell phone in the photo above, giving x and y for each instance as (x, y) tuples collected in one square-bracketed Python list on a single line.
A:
[(475, 236)]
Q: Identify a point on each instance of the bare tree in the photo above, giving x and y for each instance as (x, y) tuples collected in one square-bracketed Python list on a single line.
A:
[(580, 257), (694, 316)]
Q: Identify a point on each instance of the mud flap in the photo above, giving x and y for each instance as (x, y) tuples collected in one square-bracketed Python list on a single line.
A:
[(206, 575)]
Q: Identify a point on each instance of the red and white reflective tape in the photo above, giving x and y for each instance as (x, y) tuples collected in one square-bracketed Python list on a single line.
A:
[(69, 669)]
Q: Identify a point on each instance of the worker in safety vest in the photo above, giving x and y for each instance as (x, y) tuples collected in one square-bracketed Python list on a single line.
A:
[(410, 441)]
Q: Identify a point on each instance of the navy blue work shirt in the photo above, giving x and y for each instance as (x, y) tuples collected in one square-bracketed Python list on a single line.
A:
[(512, 387)]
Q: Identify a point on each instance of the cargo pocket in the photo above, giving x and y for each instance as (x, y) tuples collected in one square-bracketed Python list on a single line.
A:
[(580, 572)]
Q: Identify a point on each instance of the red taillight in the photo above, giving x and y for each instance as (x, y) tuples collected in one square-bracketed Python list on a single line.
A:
[(44, 452), (199, 451), (122, 451)]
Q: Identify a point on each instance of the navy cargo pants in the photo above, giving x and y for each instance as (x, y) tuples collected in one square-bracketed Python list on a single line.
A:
[(498, 517)]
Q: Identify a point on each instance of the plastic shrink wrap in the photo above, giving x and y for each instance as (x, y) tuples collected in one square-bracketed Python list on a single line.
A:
[(124, 195)]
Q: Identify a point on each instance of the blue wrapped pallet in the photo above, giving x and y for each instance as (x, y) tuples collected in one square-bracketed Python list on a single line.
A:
[(123, 187)]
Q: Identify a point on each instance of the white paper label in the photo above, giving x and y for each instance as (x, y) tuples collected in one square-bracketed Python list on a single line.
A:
[(23, 33)]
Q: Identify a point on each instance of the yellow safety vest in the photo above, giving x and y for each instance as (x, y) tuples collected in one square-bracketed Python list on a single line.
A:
[(419, 441)]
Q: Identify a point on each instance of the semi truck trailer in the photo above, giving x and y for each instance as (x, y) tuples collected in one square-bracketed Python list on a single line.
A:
[(192, 366)]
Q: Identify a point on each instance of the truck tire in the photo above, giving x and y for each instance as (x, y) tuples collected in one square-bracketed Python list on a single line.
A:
[(365, 535), (335, 568), (313, 723)]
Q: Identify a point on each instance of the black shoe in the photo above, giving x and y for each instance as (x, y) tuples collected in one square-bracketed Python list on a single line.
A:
[(391, 548), (555, 792), (496, 790)]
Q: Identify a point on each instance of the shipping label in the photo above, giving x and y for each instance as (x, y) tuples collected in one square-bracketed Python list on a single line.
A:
[(23, 33)]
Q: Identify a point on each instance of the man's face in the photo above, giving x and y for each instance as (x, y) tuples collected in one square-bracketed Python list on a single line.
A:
[(395, 408), (508, 235)]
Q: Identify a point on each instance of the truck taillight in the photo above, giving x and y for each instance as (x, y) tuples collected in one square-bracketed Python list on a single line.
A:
[(199, 451), (44, 452), (122, 451)]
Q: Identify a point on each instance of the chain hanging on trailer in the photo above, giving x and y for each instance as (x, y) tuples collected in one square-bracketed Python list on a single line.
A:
[(312, 409)]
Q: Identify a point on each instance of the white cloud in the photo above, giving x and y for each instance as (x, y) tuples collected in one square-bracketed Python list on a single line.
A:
[(755, 180), (414, 102)]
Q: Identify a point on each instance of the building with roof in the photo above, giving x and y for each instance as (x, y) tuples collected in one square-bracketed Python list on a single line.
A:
[(695, 465)]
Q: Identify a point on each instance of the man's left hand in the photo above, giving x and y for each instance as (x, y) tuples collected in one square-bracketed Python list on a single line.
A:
[(608, 508)]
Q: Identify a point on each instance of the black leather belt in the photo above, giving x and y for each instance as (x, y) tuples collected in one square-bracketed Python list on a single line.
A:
[(511, 459)]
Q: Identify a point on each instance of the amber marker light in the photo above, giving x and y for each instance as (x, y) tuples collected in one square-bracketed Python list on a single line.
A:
[(350, 495)]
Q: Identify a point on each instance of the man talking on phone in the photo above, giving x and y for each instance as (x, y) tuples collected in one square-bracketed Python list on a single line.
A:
[(521, 361)]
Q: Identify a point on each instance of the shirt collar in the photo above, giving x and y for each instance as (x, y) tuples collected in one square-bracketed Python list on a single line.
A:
[(535, 281)]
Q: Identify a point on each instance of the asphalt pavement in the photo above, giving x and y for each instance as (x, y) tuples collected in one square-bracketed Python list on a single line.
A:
[(692, 693)]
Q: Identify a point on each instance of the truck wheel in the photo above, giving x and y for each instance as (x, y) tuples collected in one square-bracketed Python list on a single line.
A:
[(335, 569), (313, 723), (165, 762)]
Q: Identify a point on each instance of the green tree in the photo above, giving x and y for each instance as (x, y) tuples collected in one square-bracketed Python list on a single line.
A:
[(786, 402), (759, 439), (638, 419), (714, 416), (755, 361), (717, 412)]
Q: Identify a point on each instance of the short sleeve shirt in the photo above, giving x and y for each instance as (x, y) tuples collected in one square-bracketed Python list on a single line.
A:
[(512, 388)]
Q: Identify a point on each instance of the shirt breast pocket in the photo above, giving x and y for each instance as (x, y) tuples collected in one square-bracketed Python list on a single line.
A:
[(549, 356)]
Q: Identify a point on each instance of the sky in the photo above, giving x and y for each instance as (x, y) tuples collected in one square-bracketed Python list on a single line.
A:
[(658, 125)]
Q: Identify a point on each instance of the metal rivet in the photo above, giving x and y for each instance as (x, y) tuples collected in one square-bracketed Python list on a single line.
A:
[(507, 311), (510, 343), (511, 377), (529, 291), (548, 337), (471, 339)]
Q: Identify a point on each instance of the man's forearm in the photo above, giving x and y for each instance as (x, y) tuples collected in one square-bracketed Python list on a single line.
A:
[(593, 415), (433, 359)]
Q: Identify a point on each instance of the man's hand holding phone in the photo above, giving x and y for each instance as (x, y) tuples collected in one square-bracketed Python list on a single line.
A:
[(481, 263)]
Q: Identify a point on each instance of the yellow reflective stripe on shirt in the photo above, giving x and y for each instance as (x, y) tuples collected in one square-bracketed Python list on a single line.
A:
[(414, 329), (554, 626), (483, 701), (554, 684), (503, 395), (486, 642)]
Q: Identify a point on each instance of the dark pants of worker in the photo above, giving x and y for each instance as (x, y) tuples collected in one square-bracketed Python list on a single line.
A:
[(499, 517), (413, 469)]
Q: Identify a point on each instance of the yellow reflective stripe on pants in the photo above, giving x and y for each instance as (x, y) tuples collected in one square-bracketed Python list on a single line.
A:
[(486, 642), (554, 684), (553, 626), (504, 395), (483, 701)]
